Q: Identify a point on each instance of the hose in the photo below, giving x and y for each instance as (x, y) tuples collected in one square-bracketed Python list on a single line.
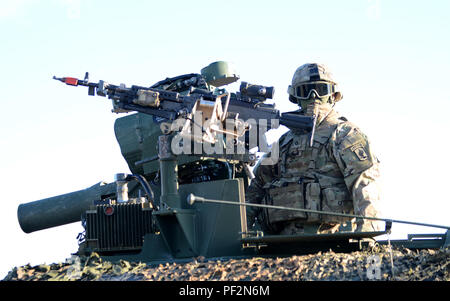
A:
[(148, 190)]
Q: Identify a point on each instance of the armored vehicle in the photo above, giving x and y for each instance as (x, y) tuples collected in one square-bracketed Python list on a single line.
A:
[(190, 147)]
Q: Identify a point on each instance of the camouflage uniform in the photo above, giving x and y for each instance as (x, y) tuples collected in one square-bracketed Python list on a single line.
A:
[(337, 173)]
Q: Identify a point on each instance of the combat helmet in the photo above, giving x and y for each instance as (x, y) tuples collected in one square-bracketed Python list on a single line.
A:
[(313, 77)]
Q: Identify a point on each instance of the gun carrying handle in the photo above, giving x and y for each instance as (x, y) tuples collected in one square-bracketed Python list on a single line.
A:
[(225, 108)]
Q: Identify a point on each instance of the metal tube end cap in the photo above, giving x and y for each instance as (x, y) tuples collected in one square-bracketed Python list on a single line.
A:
[(191, 199)]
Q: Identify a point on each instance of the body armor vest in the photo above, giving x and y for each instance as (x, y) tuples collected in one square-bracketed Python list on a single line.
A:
[(308, 177)]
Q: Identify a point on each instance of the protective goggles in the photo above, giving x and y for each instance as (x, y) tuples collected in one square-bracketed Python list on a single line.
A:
[(303, 91)]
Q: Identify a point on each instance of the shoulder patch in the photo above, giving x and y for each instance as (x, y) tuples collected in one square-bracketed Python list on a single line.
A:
[(359, 151)]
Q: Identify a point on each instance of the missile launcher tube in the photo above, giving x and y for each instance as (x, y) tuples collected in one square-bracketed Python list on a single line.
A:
[(60, 210)]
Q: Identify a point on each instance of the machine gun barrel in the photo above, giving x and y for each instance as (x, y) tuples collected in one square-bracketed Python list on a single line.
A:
[(62, 209)]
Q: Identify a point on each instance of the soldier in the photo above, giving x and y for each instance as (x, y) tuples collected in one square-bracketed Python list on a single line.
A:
[(336, 171)]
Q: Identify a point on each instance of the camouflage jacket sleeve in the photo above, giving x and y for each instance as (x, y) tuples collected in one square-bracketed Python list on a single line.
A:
[(360, 168), (255, 192)]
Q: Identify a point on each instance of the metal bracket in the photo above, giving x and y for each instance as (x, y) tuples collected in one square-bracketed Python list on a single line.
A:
[(446, 242)]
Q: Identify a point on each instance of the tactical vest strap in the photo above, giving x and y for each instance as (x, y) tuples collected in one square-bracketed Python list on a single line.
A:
[(321, 138), (282, 162)]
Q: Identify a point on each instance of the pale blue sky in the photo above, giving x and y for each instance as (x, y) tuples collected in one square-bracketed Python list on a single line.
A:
[(390, 57)]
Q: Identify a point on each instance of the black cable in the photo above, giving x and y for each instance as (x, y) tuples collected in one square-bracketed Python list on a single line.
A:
[(148, 190)]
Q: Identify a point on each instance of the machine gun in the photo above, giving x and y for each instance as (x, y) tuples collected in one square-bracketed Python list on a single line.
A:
[(236, 108)]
